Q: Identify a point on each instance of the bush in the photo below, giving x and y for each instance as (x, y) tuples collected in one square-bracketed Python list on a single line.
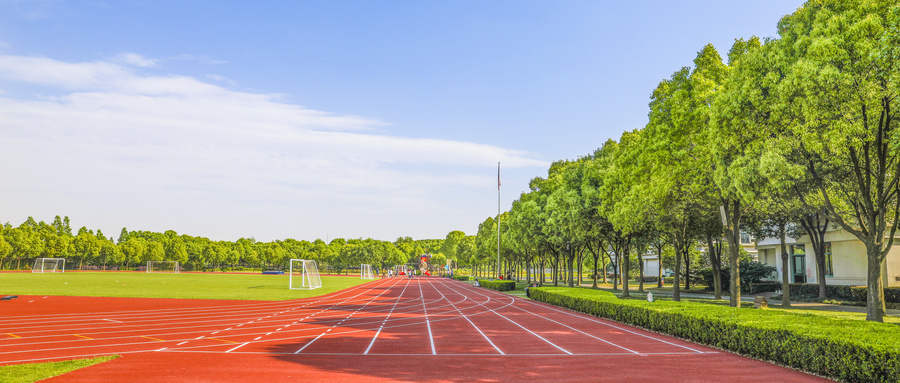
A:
[(751, 272), (464, 278), (849, 293), (501, 285), (845, 349), (764, 287)]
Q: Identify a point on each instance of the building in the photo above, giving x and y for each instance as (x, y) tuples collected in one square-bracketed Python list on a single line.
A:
[(845, 259)]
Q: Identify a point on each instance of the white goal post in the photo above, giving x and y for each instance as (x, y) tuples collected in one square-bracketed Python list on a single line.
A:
[(49, 265), (307, 277), (365, 272), (163, 267)]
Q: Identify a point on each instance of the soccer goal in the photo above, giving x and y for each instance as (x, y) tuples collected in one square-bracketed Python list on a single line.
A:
[(163, 267), (49, 265), (365, 272), (304, 275)]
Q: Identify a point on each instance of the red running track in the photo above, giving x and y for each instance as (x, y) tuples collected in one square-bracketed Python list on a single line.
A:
[(422, 329)]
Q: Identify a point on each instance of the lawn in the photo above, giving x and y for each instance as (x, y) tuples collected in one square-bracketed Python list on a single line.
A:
[(180, 286), (27, 373)]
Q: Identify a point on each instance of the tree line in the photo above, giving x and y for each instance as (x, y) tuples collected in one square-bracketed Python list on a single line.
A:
[(798, 130), (90, 250)]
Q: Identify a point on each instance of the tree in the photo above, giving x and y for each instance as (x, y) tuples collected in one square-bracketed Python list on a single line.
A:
[(837, 100), (85, 245), (133, 249)]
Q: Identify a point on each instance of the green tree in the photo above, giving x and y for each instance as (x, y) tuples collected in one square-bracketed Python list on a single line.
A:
[(837, 100)]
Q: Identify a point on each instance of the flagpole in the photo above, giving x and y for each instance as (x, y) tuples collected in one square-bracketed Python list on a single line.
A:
[(498, 220)]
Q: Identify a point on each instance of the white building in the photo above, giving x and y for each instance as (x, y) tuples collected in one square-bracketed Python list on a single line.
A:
[(845, 259)]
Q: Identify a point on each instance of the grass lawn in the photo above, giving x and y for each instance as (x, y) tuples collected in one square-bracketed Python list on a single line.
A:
[(180, 286), (27, 373)]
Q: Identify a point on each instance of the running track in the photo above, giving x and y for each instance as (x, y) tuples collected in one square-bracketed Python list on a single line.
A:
[(423, 330)]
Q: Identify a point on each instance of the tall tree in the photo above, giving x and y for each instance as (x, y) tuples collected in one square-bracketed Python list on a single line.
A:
[(837, 98)]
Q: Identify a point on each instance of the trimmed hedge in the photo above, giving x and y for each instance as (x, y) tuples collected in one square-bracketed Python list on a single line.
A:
[(850, 293), (464, 278), (846, 349), (500, 285), (765, 287)]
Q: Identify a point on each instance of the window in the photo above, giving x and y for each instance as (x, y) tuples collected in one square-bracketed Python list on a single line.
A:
[(798, 249), (746, 238), (829, 269)]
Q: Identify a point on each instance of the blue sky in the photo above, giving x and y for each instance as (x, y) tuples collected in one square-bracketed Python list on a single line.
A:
[(324, 119)]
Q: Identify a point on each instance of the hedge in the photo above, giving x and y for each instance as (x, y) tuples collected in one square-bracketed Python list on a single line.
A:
[(850, 293), (499, 285), (846, 349), (764, 287), (464, 278)]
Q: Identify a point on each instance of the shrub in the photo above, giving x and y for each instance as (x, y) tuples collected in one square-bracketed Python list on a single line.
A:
[(751, 272), (501, 285), (464, 278), (764, 287), (846, 349), (850, 293)]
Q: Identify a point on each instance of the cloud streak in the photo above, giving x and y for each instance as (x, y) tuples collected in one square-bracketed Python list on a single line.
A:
[(112, 138)]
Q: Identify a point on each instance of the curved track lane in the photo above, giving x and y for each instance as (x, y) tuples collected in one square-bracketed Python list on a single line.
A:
[(397, 329)]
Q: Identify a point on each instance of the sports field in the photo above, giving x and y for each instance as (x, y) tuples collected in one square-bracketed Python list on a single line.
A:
[(424, 329), (161, 285)]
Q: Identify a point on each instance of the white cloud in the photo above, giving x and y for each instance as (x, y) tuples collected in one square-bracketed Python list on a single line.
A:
[(182, 148), (136, 60)]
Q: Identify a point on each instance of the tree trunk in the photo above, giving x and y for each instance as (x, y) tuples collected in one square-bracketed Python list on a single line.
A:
[(676, 293), (785, 268), (641, 271), (816, 231), (570, 258), (733, 220), (595, 270), (875, 307), (580, 267), (687, 270), (603, 259), (615, 266), (625, 269), (659, 250)]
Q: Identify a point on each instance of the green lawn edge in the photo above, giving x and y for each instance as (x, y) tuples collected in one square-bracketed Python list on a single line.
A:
[(840, 348), (33, 372), (169, 286)]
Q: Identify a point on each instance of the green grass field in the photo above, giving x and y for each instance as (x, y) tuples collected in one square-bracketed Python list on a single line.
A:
[(27, 373), (180, 286)]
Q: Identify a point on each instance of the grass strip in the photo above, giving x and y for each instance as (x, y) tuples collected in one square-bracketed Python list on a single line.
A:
[(834, 346), (33, 372), (175, 286)]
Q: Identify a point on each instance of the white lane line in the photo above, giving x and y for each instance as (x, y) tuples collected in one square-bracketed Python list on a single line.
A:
[(427, 323), (348, 317), (520, 326), (386, 318), (583, 316), (181, 343), (472, 323), (310, 342), (242, 345), (575, 329), (114, 321)]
